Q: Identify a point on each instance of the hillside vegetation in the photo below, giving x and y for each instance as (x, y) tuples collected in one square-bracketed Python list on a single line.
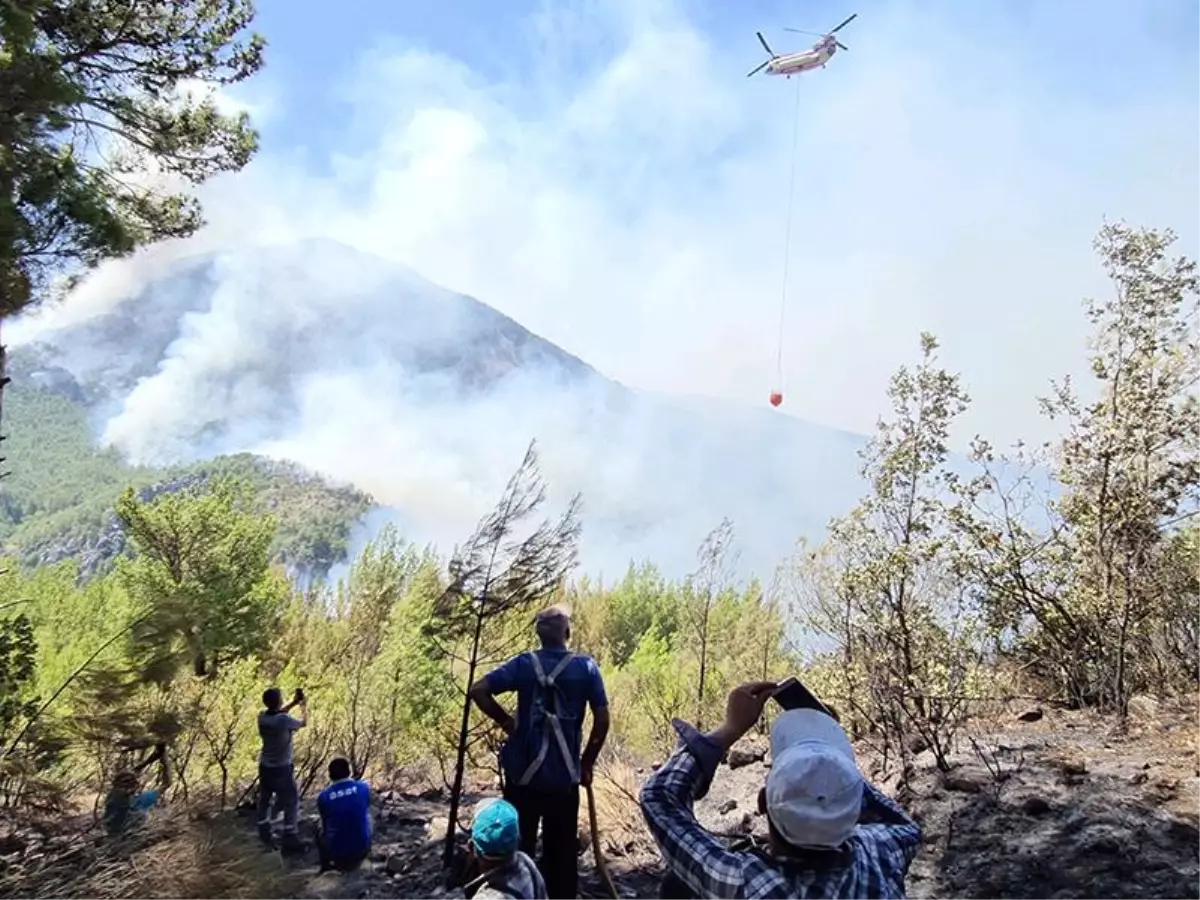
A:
[(56, 503), (927, 610)]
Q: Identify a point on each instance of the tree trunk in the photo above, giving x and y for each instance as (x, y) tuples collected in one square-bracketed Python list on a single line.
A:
[(460, 763), (703, 666), (4, 379)]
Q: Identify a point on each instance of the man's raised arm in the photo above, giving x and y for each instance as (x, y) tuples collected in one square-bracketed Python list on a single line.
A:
[(302, 702)]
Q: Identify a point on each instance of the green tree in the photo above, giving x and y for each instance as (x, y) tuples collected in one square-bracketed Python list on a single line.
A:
[(18, 658), (98, 119), (201, 577), (885, 588), (1093, 599)]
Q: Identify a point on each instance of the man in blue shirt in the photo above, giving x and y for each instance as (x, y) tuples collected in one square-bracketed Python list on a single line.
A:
[(345, 808), (542, 762)]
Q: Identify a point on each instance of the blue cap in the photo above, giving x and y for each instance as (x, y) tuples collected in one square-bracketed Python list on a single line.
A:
[(495, 832)]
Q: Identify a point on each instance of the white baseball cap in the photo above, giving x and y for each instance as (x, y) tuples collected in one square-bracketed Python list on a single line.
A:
[(814, 790)]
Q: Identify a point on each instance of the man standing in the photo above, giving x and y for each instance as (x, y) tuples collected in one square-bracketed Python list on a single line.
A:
[(276, 775), (345, 808), (543, 766)]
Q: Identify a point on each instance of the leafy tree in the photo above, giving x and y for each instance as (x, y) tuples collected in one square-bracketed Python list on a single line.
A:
[(97, 117), (608, 623), (201, 574), (717, 562), (885, 587), (494, 576), (1092, 597), (18, 658), (226, 717)]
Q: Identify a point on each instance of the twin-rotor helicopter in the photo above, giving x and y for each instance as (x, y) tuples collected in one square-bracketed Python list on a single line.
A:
[(793, 63), (788, 65)]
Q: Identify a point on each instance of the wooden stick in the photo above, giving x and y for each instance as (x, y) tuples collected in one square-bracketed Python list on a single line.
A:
[(600, 864)]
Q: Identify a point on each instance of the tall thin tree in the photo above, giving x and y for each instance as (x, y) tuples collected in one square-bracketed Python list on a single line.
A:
[(495, 575)]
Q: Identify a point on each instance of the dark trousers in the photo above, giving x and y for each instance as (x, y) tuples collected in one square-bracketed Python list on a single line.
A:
[(278, 782), (675, 888), (558, 812), (341, 863)]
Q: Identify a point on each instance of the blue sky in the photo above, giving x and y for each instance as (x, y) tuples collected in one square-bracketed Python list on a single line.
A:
[(604, 172)]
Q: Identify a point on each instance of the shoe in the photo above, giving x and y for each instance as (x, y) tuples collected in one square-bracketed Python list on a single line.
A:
[(264, 833)]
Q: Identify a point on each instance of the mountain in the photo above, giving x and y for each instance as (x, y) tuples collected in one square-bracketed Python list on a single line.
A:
[(360, 370)]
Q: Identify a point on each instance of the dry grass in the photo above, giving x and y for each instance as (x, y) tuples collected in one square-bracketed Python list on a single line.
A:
[(176, 856), (618, 815)]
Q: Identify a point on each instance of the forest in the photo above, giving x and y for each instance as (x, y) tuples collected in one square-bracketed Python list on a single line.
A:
[(1067, 571)]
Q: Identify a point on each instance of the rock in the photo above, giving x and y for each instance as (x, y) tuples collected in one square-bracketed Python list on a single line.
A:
[(746, 753), (1035, 806), (962, 782), (1165, 787), (1033, 714), (728, 806), (1143, 707), (1075, 766), (917, 744), (396, 864), (1138, 778)]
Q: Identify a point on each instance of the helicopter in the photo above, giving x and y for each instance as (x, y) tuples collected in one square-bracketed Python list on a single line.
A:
[(794, 63)]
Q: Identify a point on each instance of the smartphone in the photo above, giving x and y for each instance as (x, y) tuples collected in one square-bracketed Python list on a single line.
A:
[(299, 695), (792, 694)]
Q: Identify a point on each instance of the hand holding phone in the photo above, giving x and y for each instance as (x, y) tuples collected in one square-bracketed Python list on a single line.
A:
[(299, 698), (792, 694)]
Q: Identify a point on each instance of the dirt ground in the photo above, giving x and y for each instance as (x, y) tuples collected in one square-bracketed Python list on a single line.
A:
[(1062, 806)]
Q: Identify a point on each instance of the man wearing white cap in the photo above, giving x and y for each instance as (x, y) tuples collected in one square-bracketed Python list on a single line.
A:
[(813, 799)]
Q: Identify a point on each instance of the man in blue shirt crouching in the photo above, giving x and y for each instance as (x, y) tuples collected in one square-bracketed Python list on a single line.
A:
[(345, 808)]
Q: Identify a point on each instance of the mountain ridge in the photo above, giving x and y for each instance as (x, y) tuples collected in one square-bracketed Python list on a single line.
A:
[(424, 398)]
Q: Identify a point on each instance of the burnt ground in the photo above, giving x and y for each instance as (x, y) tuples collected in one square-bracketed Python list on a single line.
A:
[(1065, 806)]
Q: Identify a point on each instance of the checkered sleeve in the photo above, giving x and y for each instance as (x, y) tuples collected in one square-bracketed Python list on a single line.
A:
[(692, 854), (896, 834)]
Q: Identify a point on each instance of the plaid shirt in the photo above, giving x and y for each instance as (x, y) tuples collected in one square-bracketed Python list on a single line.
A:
[(519, 879), (872, 862)]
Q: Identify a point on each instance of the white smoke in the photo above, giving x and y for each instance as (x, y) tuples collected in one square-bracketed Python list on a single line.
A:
[(354, 367), (625, 198)]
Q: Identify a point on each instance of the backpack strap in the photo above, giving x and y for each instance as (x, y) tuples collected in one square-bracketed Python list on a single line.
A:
[(546, 684)]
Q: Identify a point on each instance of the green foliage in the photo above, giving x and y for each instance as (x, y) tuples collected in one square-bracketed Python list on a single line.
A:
[(913, 608), (199, 577), (18, 655), (96, 123), (1095, 602), (58, 500), (884, 590), (58, 478)]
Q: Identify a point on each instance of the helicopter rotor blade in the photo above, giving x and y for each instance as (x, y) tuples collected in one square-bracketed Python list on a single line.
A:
[(759, 69), (841, 45), (844, 24), (798, 31), (762, 40)]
